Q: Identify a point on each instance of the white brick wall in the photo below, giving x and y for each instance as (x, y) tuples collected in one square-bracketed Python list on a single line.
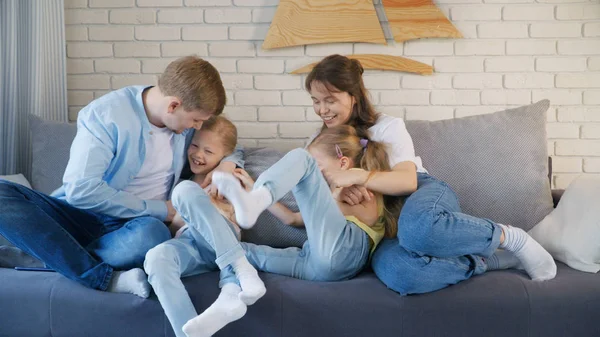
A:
[(514, 52)]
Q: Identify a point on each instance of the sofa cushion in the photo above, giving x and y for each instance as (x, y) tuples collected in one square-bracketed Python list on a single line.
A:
[(17, 179), (570, 232), (50, 146), (496, 163), (495, 304)]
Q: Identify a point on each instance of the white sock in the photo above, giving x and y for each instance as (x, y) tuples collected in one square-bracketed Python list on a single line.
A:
[(226, 309), (247, 205), (253, 287), (538, 263), (133, 281), (503, 259)]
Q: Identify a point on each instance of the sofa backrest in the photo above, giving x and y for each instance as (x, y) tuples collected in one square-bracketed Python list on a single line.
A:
[(496, 163)]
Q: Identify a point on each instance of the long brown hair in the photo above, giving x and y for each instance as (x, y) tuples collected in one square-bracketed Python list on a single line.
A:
[(367, 155), (341, 74)]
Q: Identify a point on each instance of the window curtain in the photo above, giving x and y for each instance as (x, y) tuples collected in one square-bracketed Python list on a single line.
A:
[(32, 75)]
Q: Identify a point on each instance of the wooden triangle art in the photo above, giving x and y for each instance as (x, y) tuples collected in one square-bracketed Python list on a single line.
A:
[(414, 19), (382, 62), (300, 22)]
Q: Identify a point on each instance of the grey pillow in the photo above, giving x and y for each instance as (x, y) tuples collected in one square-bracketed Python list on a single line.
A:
[(496, 163), (268, 229), (50, 146)]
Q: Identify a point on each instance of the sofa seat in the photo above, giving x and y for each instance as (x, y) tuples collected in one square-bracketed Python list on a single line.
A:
[(498, 303)]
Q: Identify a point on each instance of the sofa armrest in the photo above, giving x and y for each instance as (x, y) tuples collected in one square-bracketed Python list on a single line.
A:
[(556, 195)]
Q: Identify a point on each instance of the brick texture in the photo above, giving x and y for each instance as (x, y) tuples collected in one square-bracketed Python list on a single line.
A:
[(514, 52)]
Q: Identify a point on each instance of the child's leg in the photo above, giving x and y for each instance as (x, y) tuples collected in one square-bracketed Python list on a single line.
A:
[(332, 242), (196, 209), (227, 308), (165, 265), (409, 273)]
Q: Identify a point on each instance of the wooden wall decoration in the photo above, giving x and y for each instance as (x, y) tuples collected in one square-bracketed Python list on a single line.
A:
[(382, 62), (300, 22), (414, 19)]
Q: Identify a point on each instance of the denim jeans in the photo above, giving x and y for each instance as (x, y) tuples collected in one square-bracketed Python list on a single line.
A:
[(208, 244), (437, 244), (336, 249), (81, 245)]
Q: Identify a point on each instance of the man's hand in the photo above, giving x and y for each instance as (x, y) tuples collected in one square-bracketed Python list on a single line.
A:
[(355, 195), (171, 212), (225, 166)]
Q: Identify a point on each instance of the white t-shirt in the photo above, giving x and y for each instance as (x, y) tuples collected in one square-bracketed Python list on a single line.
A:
[(155, 178), (392, 132)]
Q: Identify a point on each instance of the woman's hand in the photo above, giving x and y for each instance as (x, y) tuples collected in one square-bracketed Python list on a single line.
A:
[(224, 166), (355, 195), (244, 178), (345, 178)]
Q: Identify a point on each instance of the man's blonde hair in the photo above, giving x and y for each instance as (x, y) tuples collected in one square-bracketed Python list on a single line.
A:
[(196, 83)]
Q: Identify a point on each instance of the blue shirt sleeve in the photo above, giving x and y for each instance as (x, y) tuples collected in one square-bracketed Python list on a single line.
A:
[(84, 181), (237, 156)]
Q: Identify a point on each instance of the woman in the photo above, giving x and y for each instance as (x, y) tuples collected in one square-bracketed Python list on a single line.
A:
[(437, 245)]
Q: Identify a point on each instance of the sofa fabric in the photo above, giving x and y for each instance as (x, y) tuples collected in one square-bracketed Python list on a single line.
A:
[(496, 304), (496, 163), (50, 147)]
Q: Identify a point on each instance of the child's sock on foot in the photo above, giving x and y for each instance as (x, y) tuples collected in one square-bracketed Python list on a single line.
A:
[(247, 205), (226, 309), (252, 286), (503, 259), (536, 261), (133, 281)]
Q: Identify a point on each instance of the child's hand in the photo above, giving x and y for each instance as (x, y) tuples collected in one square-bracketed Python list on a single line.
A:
[(244, 178)]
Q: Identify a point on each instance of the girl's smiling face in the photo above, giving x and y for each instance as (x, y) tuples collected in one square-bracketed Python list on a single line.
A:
[(205, 152)]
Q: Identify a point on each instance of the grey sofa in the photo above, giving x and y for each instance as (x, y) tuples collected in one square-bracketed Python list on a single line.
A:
[(510, 183)]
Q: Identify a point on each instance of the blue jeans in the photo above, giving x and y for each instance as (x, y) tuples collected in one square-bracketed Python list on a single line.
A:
[(437, 244), (208, 244), (81, 245), (336, 249)]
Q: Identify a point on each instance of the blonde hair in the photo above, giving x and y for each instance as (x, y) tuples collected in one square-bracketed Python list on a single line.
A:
[(196, 83), (225, 129), (367, 155)]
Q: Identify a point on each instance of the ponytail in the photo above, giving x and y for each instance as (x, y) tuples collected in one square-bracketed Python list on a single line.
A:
[(369, 155)]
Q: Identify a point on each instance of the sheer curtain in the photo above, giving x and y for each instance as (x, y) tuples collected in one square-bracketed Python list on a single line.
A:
[(32, 75)]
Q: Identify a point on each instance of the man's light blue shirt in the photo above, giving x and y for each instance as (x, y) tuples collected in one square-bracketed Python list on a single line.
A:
[(108, 152)]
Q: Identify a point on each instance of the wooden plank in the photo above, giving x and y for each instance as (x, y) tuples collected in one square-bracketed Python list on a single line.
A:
[(300, 22), (414, 19), (382, 62)]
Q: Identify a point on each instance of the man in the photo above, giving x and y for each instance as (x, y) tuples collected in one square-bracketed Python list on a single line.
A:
[(124, 161)]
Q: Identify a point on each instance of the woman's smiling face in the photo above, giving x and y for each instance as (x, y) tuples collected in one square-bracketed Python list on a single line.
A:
[(334, 107)]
